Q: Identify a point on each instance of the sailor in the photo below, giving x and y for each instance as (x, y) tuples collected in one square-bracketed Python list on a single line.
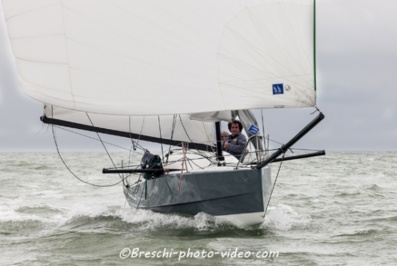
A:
[(236, 141), (224, 136)]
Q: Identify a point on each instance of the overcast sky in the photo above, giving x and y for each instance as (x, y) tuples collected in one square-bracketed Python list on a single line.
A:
[(357, 78)]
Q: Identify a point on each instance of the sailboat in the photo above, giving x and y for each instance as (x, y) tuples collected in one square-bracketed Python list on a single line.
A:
[(172, 73)]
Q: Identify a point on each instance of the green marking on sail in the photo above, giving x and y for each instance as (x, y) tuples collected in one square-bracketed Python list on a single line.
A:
[(314, 45)]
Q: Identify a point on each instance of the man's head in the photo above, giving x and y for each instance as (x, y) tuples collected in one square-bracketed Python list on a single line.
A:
[(224, 135), (235, 127)]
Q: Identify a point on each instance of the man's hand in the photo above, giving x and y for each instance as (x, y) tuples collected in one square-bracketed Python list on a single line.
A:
[(225, 145)]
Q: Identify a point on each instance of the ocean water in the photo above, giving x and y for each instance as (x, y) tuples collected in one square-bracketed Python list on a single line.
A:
[(338, 209)]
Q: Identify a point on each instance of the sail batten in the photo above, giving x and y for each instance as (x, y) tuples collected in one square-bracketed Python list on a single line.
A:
[(151, 58)]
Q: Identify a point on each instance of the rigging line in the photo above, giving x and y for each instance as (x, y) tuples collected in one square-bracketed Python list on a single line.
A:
[(161, 137), (70, 170), (192, 160), (183, 126), (277, 142), (132, 142), (263, 130), (317, 110), (129, 131), (301, 149), (140, 133), (140, 198), (183, 164), (77, 133), (274, 184), (203, 156), (172, 134), (173, 127), (135, 144), (110, 157), (136, 187)]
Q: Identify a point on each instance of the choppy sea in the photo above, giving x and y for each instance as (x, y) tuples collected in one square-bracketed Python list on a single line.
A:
[(338, 209)]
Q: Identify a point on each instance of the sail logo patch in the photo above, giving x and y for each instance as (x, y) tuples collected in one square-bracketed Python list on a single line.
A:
[(278, 88), (253, 129)]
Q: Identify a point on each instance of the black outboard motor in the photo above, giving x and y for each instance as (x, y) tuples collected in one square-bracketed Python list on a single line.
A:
[(151, 162)]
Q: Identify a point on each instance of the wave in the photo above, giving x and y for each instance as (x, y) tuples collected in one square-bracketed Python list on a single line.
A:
[(41, 209), (346, 194), (116, 219), (24, 227), (45, 219), (285, 218), (27, 219), (360, 233), (279, 217), (384, 217), (105, 218)]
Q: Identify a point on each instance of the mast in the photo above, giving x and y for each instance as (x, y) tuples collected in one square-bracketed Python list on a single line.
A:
[(219, 154)]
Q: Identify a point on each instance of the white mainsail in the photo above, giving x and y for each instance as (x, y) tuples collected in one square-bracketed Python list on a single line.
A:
[(155, 58)]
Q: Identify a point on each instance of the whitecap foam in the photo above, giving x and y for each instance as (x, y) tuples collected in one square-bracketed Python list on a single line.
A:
[(284, 217), (40, 213), (148, 220)]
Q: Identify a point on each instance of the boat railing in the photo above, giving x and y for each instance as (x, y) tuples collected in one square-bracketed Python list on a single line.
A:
[(255, 140)]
